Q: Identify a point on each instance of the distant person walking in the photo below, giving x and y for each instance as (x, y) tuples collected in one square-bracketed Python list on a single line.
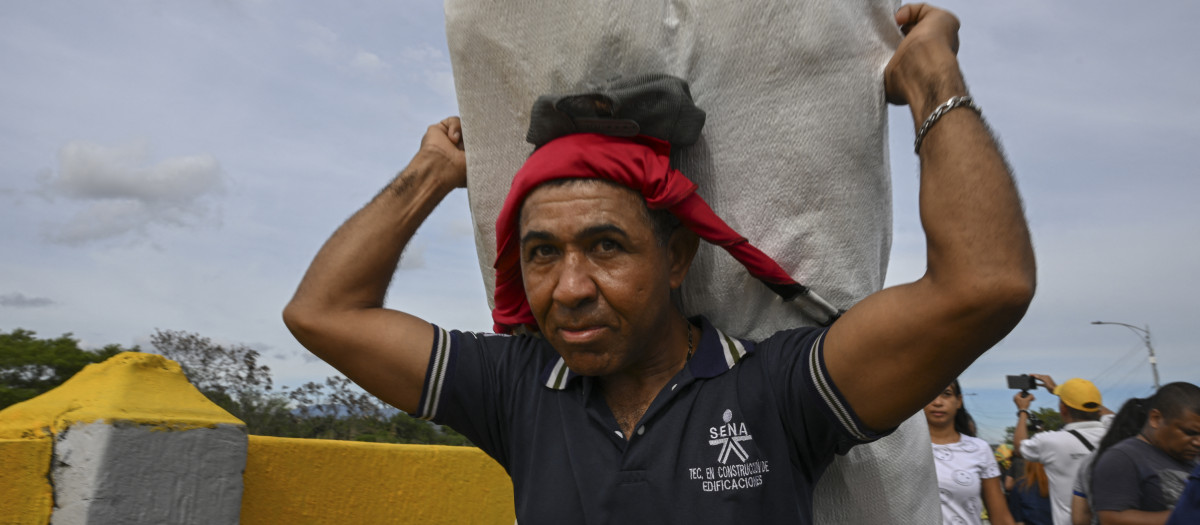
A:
[(968, 475), (1061, 451), (1140, 479), (1127, 423)]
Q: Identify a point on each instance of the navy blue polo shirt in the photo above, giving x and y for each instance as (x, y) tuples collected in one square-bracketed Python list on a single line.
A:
[(741, 434)]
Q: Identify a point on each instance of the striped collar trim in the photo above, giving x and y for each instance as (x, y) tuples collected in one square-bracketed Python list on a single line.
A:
[(557, 376), (716, 354)]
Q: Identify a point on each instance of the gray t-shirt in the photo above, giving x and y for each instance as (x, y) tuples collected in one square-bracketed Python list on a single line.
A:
[(1133, 474), (1083, 484)]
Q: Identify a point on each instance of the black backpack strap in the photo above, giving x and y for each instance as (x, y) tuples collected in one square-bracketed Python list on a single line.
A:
[(1083, 440)]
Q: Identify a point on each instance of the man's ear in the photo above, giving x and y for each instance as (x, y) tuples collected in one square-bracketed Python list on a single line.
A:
[(1154, 418), (682, 249)]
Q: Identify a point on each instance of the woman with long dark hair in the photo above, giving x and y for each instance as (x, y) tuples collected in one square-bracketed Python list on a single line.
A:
[(968, 476), (1140, 478), (1125, 424)]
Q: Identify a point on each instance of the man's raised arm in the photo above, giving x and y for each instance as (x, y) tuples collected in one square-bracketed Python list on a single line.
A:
[(337, 312), (895, 350)]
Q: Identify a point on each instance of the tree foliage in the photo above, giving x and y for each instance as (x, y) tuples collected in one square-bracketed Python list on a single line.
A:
[(1049, 419), (226, 370), (232, 377), (30, 366)]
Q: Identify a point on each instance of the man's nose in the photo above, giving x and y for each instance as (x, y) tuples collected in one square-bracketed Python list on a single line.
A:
[(575, 286)]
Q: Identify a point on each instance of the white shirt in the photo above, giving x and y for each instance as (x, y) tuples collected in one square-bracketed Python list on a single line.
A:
[(1061, 453), (961, 469)]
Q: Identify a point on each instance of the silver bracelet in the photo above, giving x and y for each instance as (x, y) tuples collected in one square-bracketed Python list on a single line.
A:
[(954, 102)]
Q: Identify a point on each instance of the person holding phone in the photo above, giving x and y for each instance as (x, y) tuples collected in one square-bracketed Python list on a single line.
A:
[(1062, 451)]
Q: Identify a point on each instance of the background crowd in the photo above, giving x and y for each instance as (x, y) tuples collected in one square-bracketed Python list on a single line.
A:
[(1135, 466)]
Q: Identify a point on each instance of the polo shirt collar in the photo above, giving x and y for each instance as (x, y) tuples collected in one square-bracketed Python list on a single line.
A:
[(715, 354)]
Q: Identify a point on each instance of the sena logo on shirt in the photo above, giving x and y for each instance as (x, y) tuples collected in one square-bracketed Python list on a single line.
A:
[(730, 440), (729, 437)]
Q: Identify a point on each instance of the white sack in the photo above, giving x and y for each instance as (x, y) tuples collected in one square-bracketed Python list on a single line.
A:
[(793, 156)]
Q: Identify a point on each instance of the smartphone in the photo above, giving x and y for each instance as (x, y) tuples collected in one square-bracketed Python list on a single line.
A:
[(1022, 382)]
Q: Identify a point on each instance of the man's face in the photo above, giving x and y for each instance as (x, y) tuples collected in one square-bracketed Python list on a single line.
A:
[(1179, 437), (597, 280)]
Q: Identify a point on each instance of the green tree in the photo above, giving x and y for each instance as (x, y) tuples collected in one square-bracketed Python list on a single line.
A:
[(1049, 419), (231, 377), (228, 370), (30, 366), (336, 410)]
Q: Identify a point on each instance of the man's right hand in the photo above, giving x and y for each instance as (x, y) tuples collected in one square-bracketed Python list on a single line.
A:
[(442, 146), (338, 311)]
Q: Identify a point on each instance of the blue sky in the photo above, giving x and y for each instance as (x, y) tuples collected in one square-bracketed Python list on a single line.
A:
[(176, 165)]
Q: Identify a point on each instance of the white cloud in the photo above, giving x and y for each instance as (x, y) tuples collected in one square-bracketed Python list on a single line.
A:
[(123, 193), (369, 62), (319, 41), (327, 46), (422, 54)]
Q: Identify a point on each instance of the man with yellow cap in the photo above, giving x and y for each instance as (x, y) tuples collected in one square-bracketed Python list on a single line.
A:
[(1062, 451)]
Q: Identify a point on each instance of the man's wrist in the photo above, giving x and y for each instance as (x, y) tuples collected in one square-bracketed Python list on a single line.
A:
[(423, 174), (932, 91), (1024, 412)]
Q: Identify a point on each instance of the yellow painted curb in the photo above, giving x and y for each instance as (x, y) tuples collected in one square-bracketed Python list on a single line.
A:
[(26, 497), (134, 387), (315, 481)]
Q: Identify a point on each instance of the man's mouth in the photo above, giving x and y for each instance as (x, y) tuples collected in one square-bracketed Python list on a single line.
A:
[(580, 334)]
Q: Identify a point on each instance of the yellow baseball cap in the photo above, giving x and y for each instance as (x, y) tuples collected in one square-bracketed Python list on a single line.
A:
[(1079, 394)]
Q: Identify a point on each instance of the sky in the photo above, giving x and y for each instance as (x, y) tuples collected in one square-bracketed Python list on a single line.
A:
[(176, 165)]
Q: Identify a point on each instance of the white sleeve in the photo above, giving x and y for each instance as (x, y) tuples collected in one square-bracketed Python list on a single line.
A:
[(1031, 449), (989, 468)]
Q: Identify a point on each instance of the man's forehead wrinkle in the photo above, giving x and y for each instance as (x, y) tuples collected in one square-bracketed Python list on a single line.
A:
[(590, 231), (603, 228), (537, 235)]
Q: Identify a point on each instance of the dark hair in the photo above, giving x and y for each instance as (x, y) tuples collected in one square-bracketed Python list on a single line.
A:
[(963, 422), (1125, 424), (1174, 399), (662, 222), (1082, 415)]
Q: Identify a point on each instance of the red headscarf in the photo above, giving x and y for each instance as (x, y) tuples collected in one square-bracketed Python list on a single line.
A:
[(640, 163)]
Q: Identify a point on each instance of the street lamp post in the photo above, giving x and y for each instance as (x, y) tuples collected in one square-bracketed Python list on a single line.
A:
[(1144, 335)]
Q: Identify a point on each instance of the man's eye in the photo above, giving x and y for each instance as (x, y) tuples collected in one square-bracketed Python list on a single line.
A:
[(607, 245), (541, 251)]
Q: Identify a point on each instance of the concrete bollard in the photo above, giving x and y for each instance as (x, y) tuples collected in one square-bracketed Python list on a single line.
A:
[(130, 441)]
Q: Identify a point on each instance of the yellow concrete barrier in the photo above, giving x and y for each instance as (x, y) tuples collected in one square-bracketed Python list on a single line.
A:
[(128, 440), (131, 387), (314, 481), (26, 497)]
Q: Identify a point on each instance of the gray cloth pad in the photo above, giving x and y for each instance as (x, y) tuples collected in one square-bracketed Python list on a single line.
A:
[(793, 156)]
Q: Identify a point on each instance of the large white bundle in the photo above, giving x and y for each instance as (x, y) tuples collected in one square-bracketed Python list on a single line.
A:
[(793, 156)]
